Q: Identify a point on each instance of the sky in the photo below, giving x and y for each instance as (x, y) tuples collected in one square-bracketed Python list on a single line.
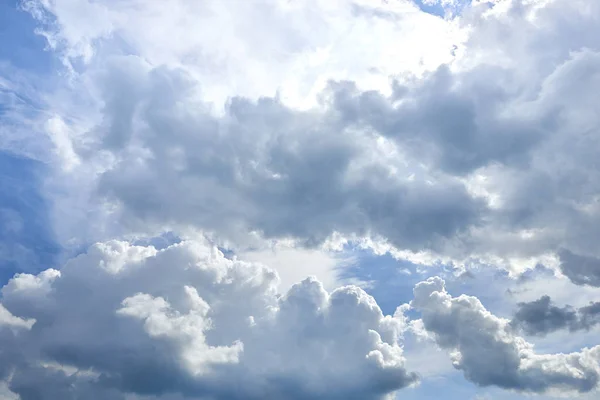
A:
[(291, 200)]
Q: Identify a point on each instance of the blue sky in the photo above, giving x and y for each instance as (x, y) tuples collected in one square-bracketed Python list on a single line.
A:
[(440, 9), (29, 243), (21, 47), (431, 166)]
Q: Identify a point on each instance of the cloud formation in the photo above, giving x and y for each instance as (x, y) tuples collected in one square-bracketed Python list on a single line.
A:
[(540, 317), (269, 168), (485, 348), (464, 141), (130, 319), (485, 152), (582, 270)]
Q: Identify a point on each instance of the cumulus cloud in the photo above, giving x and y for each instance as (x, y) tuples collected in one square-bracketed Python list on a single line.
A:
[(316, 123), (186, 320), (484, 151), (266, 167), (488, 352), (540, 317)]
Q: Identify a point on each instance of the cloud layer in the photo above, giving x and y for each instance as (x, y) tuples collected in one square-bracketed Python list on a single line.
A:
[(130, 319), (469, 142), (485, 153), (121, 320)]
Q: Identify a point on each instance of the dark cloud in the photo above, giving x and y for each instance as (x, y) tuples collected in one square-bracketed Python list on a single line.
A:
[(582, 270), (265, 167), (540, 317), (458, 122), (39, 383)]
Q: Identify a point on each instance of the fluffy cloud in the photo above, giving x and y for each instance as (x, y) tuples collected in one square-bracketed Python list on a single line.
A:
[(261, 164), (252, 49), (485, 348), (316, 123), (540, 317), (487, 155), (266, 167), (130, 319)]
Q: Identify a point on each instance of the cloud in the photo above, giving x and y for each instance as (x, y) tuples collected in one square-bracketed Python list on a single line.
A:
[(462, 141), (582, 270), (268, 168), (293, 264), (485, 348), (540, 317), (481, 150), (259, 49), (9, 320), (132, 319), (294, 155)]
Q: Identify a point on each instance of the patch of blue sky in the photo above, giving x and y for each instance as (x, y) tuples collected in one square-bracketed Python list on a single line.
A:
[(437, 7), (27, 241), (455, 387), (452, 386), (26, 71), (159, 242), (390, 281), (19, 44)]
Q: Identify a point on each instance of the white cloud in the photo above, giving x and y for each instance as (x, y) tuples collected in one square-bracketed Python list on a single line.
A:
[(488, 352), (471, 140), (258, 48), (9, 320), (187, 320), (294, 264), (487, 159)]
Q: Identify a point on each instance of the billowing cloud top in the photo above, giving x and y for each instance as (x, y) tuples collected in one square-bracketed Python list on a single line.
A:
[(455, 137), (187, 320), (490, 354)]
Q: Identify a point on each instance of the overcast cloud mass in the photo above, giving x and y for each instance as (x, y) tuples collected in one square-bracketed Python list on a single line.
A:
[(315, 199)]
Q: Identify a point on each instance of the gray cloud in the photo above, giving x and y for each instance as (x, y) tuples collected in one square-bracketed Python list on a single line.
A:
[(457, 122), (266, 167), (582, 270), (489, 158), (540, 317), (185, 320), (493, 156), (403, 167), (485, 348)]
